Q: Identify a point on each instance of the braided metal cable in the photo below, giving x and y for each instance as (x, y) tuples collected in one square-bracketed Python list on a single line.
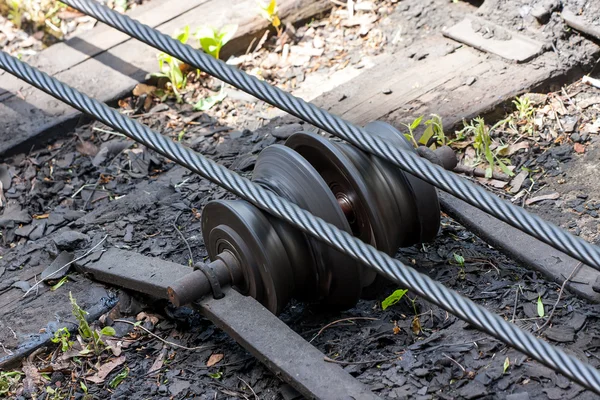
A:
[(408, 161), (405, 276)]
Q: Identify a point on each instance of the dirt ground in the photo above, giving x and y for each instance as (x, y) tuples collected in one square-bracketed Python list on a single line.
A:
[(108, 189)]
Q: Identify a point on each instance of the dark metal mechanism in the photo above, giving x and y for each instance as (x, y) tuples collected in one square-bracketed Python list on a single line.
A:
[(342, 241), (271, 262)]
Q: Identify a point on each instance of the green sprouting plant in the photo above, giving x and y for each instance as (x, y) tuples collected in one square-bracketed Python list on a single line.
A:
[(269, 12), (55, 394), (524, 108), (171, 68), (212, 39), (460, 260), (393, 298), (15, 13), (116, 381), (9, 382), (92, 336), (207, 103), (524, 116), (482, 144), (62, 336), (411, 130)]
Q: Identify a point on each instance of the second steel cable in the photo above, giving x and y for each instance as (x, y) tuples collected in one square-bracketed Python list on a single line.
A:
[(405, 276), (408, 161)]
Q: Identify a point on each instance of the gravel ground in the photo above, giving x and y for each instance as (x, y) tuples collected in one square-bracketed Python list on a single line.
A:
[(101, 185)]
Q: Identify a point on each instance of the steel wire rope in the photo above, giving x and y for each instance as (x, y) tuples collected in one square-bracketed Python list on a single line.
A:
[(405, 276), (449, 182)]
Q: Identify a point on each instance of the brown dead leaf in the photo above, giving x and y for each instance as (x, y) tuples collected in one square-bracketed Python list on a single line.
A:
[(579, 148), (142, 88), (551, 196), (106, 369), (160, 359), (115, 346), (40, 216), (416, 325), (214, 358), (513, 148), (87, 148), (493, 182)]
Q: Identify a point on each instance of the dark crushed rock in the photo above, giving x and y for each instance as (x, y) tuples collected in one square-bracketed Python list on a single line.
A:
[(70, 240)]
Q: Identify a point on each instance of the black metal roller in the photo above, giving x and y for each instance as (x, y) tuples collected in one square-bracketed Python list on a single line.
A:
[(424, 195), (288, 174), (356, 199), (244, 230)]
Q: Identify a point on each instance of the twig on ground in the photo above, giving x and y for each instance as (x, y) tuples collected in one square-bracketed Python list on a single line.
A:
[(340, 320), (591, 81), (183, 238), (87, 253), (249, 387), (455, 362), (480, 172), (562, 288), (515, 305), (161, 339)]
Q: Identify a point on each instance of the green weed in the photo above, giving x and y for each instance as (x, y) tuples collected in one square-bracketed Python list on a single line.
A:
[(411, 130), (212, 39), (92, 336), (208, 102), (269, 12), (62, 336), (116, 381), (172, 68), (393, 298), (482, 144), (522, 121), (460, 260), (9, 382)]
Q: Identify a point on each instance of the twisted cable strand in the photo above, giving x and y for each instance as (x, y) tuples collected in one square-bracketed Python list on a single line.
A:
[(406, 160), (405, 276)]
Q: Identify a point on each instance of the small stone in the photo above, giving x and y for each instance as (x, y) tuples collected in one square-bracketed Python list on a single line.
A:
[(23, 285), (285, 131), (57, 270), (387, 91), (596, 285), (178, 386), (518, 396), (470, 80), (69, 240), (473, 390), (561, 334)]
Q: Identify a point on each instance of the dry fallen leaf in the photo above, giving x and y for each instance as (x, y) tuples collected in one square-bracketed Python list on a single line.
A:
[(416, 325), (551, 196), (579, 148), (87, 148), (106, 369), (142, 88), (214, 358)]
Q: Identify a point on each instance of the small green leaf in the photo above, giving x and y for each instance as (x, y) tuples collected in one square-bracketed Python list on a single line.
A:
[(393, 298), (428, 134), (506, 364), (60, 283), (119, 378), (459, 259), (416, 123), (208, 103), (226, 33), (108, 331), (540, 307), (83, 387), (216, 375)]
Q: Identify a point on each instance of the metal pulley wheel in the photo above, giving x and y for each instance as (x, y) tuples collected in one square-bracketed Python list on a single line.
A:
[(244, 230), (291, 176)]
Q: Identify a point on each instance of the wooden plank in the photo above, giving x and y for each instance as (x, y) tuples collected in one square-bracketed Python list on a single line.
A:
[(577, 22), (113, 73), (492, 38), (458, 85), (65, 55)]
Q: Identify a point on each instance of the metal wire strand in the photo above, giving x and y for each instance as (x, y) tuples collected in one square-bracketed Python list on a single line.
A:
[(405, 276), (406, 160)]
